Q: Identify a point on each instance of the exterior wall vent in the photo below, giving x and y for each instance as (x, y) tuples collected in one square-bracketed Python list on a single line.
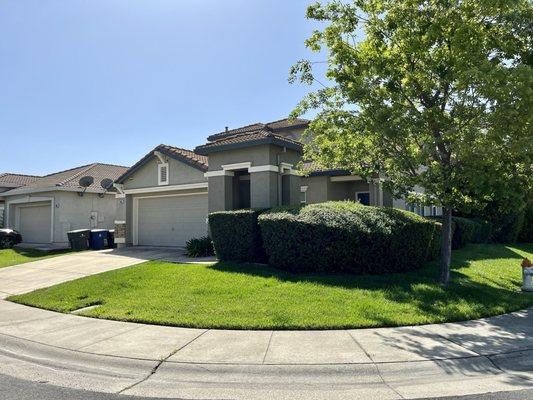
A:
[(162, 174)]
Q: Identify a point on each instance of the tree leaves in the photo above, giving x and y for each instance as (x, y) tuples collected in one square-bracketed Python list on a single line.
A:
[(435, 94)]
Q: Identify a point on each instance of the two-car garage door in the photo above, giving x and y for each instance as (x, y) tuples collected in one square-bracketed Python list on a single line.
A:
[(34, 222), (170, 220)]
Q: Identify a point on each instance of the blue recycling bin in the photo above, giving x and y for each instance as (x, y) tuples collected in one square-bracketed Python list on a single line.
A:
[(97, 239)]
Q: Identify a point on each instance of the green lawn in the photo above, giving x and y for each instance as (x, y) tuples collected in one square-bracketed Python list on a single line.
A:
[(10, 257), (486, 281)]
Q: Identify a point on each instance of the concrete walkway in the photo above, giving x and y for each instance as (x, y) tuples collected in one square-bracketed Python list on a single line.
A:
[(494, 354)]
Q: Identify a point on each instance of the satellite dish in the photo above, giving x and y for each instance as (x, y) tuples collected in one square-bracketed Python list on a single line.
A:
[(106, 184), (85, 182)]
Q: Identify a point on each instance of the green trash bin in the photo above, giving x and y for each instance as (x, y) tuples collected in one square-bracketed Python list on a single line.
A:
[(79, 239)]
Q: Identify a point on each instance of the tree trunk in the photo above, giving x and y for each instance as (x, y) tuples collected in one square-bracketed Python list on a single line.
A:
[(446, 245)]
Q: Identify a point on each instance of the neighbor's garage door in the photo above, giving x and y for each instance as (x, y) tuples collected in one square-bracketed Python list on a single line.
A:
[(35, 223), (171, 221)]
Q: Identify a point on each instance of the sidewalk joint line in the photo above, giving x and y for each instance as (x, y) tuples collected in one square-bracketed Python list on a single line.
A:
[(159, 363), (361, 347), (268, 346), (374, 364)]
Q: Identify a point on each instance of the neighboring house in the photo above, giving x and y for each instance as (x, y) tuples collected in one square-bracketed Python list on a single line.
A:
[(45, 209), (165, 198), (10, 181)]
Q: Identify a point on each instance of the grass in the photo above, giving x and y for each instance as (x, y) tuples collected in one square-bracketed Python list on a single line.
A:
[(486, 281), (10, 257)]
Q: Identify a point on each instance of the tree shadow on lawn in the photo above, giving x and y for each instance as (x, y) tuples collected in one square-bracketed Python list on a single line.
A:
[(510, 333), (463, 299)]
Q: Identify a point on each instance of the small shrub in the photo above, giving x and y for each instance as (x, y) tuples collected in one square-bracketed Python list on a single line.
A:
[(236, 235), (348, 237), (200, 247)]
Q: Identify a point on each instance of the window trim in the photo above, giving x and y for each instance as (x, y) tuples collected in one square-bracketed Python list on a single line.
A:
[(160, 166)]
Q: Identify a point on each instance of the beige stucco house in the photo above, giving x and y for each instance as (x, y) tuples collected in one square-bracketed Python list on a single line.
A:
[(164, 199), (44, 209)]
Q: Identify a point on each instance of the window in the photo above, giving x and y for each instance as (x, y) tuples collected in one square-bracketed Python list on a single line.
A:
[(162, 173), (363, 198), (303, 195)]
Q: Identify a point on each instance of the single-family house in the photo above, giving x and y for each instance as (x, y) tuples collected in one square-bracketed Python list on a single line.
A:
[(9, 181), (164, 199), (44, 209)]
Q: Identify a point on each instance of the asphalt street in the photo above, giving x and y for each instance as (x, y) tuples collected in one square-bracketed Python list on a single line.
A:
[(18, 389)]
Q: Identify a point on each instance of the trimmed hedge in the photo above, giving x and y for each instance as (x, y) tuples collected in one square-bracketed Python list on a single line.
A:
[(526, 234), (507, 227), (468, 230), (348, 237), (236, 236), (463, 232), (482, 232)]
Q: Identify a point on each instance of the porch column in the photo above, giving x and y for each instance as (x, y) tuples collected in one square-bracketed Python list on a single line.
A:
[(264, 189), (294, 189), (221, 193)]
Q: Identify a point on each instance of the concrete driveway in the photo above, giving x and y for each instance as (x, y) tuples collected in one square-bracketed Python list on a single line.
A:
[(26, 277)]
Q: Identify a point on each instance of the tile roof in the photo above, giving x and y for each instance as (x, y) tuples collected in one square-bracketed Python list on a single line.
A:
[(196, 159), (278, 125), (8, 179), (260, 136), (70, 177), (187, 156)]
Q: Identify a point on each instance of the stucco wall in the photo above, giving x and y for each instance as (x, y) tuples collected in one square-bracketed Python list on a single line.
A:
[(220, 193), (178, 173), (264, 189), (72, 211), (317, 188), (320, 189), (257, 155)]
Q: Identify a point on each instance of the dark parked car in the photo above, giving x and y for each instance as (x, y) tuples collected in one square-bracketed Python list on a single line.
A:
[(9, 238)]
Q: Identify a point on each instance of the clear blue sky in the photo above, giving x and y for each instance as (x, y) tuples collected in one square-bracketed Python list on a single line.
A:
[(107, 80)]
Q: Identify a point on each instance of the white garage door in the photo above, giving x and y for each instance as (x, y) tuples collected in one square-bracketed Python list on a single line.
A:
[(35, 223), (172, 220)]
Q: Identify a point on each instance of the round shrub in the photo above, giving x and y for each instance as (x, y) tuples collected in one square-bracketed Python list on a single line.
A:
[(236, 235), (348, 237)]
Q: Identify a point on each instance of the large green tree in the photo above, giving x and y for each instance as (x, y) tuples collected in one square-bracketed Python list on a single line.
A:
[(427, 93)]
